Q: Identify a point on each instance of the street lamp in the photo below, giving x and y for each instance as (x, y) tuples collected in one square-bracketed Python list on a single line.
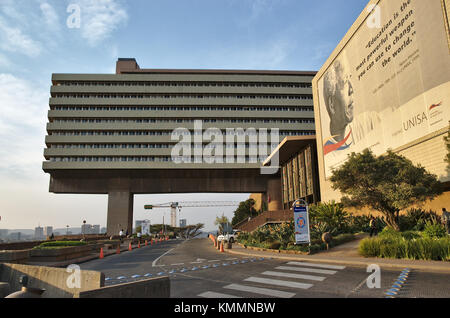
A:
[(67, 230)]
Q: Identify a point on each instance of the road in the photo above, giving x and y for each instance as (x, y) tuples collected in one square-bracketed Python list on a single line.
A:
[(197, 270)]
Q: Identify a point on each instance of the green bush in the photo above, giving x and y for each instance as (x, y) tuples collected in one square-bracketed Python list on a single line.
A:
[(434, 230), (58, 244), (274, 245), (416, 219), (389, 246)]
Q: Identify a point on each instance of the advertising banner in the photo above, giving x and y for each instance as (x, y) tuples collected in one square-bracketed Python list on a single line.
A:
[(390, 84), (301, 219)]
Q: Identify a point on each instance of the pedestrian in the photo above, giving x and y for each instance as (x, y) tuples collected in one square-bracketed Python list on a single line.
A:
[(139, 236), (446, 220), (126, 234), (121, 235), (373, 226)]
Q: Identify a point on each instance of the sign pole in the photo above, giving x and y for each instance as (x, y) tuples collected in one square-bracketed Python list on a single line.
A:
[(301, 220)]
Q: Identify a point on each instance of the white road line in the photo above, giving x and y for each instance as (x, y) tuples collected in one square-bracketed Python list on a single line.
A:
[(278, 282), (176, 264), (214, 260), (290, 275), (231, 259), (306, 270), (316, 265), (262, 291), (195, 262), (156, 260), (216, 295)]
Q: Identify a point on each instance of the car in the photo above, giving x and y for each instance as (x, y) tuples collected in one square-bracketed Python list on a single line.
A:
[(229, 237)]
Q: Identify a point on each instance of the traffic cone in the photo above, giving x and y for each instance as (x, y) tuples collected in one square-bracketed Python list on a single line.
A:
[(118, 249), (215, 243), (101, 253), (221, 247), (139, 244), (146, 243), (130, 247), (151, 241), (167, 238)]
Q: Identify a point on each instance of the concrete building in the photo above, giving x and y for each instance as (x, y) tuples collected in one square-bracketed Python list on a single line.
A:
[(112, 133), (299, 170), (39, 233), (48, 230)]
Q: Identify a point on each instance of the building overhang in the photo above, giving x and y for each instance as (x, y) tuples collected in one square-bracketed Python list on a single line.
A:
[(288, 147)]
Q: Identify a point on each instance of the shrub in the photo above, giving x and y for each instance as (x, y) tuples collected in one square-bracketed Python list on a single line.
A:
[(60, 244), (415, 219), (399, 247), (329, 217), (274, 245), (434, 230)]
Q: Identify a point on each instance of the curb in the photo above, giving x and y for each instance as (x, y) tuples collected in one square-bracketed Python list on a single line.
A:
[(364, 262)]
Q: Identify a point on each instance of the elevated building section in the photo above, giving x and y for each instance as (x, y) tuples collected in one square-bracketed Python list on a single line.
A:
[(112, 133)]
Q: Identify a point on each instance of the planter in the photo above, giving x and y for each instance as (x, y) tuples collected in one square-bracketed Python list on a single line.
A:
[(60, 254), (14, 256)]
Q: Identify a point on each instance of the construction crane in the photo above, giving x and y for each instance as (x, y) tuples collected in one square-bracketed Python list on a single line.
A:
[(188, 204)]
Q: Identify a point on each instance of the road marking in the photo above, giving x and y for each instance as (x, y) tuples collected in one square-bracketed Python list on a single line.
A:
[(216, 295), (196, 262), (177, 264), (156, 260), (231, 259), (214, 260), (290, 275), (278, 282), (316, 265), (306, 270), (262, 291)]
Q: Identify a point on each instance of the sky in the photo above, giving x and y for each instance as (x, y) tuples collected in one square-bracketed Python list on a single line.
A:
[(41, 37)]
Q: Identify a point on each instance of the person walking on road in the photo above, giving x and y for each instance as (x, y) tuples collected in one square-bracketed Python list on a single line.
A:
[(446, 220), (373, 226), (139, 236), (121, 235)]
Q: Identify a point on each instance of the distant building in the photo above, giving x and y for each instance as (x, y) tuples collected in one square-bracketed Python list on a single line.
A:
[(48, 230), (183, 222), (3, 233), (90, 229), (39, 233), (15, 236)]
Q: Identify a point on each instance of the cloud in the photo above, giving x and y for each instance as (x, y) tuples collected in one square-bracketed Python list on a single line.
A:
[(51, 18), (22, 127), (100, 18), (12, 39)]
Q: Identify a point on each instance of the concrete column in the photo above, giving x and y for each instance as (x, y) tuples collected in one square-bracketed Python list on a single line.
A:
[(120, 212), (274, 194)]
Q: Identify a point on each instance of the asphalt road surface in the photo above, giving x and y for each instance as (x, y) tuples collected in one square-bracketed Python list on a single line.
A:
[(197, 270)]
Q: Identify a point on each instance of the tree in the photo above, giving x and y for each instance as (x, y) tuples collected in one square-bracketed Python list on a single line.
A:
[(246, 209), (222, 222), (447, 142), (191, 231), (388, 183)]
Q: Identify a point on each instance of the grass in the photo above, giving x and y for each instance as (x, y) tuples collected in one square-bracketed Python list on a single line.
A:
[(401, 247), (59, 244)]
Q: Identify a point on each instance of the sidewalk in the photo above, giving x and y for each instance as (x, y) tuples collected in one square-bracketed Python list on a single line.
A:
[(347, 254)]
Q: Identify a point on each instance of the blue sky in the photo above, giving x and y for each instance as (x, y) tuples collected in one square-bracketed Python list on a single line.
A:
[(36, 41)]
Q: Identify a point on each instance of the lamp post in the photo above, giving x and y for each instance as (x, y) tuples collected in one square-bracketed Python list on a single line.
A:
[(83, 229), (67, 230)]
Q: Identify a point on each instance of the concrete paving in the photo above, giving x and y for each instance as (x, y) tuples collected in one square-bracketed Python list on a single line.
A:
[(348, 254)]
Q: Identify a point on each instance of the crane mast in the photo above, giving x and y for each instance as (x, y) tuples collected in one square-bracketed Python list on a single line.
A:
[(188, 204)]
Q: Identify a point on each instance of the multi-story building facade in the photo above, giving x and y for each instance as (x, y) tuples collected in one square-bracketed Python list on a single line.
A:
[(113, 133)]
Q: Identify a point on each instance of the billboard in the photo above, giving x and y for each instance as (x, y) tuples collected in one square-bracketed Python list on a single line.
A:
[(389, 85)]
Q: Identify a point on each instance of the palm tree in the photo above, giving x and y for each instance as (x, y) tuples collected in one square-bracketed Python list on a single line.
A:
[(222, 222)]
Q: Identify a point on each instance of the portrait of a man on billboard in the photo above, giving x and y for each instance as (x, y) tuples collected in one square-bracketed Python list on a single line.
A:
[(349, 122)]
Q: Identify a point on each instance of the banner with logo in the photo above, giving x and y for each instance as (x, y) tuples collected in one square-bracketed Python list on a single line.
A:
[(301, 219), (390, 84)]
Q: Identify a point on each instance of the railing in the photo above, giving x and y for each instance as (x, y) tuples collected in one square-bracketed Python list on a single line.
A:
[(264, 218)]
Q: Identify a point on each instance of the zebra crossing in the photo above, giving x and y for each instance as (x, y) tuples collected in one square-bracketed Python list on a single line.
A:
[(293, 276)]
